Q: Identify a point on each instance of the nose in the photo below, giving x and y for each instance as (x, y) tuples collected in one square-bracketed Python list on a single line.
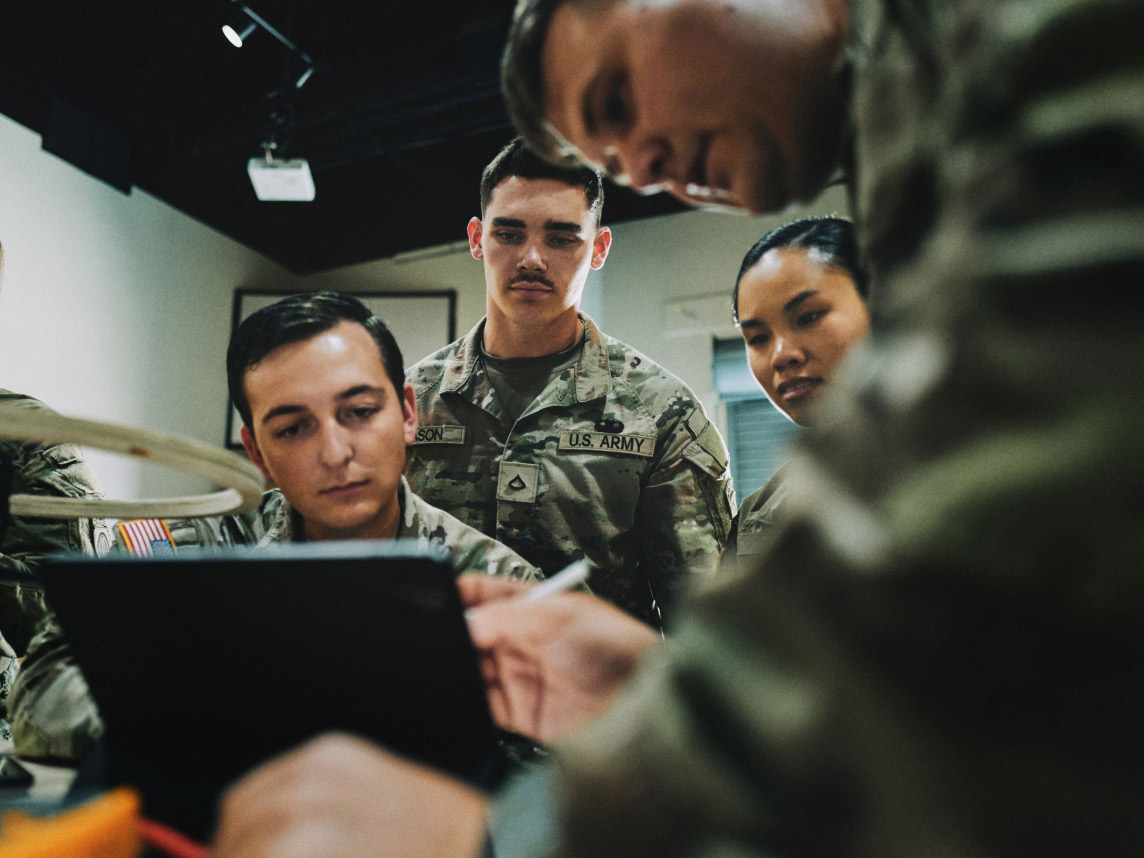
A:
[(786, 354), (643, 164), (532, 259), (335, 449)]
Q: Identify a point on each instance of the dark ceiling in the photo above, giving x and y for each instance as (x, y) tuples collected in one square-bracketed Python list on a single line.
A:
[(397, 122)]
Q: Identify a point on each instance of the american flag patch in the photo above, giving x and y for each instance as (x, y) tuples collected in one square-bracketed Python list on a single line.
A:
[(147, 537)]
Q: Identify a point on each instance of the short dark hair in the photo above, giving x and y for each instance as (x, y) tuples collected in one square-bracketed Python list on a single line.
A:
[(832, 237), (298, 318), (516, 159), (522, 76)]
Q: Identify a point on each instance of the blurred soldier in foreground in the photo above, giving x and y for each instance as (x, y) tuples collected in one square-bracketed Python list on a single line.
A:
[(940, 653)]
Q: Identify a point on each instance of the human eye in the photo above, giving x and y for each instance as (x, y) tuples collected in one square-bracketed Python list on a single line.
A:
[(509, 236), (363, 412), (615, 109), (561, 241), (290, 430), (757, 340), (804, 320)]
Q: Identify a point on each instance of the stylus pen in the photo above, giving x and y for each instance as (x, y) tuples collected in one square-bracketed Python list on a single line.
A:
[(568, 577)]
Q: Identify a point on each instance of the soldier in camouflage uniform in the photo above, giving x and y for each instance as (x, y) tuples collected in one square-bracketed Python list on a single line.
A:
[(47, 469), (27, 628), (941, 652), (800, 303), (566, 444)]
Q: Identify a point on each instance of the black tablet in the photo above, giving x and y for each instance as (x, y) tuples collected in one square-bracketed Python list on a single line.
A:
[(205, 664)]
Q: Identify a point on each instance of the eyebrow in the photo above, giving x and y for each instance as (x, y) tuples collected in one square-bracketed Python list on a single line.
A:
[(349, 393), (789, 306), (562, 226), (551, 225), (794, 302)]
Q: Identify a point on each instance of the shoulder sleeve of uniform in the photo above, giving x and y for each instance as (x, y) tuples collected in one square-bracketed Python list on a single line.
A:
[(707, 451), (473, 551), (427, 372)]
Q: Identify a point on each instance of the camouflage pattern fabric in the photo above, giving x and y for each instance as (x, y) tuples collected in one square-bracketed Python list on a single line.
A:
[(941, 652), (276, 521), (614, 462), (43, 469), (754, 524)]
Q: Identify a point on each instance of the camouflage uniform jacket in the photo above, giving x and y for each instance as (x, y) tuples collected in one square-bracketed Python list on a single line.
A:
[(941, 652), (25, 622), (40, 469), (615, 461), (276, 521), (754, 523)]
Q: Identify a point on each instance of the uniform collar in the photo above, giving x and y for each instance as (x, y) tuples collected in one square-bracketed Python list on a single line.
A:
[(592, 372)]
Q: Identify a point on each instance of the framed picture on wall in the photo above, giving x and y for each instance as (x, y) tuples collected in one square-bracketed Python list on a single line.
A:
[(421, 322)]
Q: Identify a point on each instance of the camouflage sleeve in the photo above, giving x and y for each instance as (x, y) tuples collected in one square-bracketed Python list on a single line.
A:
[(28, 626), (490, 557), (684, 514), (941, 652), (43, 470)]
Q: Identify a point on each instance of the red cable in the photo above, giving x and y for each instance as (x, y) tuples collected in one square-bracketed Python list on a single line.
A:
[(168, 841)]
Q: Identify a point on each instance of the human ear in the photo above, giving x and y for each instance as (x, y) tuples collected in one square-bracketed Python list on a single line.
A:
[(251, 447), (409, 410), (474, 230), (600, 247)]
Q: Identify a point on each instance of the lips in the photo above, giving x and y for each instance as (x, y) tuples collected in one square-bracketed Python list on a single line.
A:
[(797, 388), (531, 289), (343, 488)]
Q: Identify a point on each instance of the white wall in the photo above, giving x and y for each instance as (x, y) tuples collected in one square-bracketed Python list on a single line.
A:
[(447, 266), (115, 307)]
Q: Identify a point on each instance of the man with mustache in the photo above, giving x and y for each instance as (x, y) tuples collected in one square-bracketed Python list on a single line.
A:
[(552, 437)]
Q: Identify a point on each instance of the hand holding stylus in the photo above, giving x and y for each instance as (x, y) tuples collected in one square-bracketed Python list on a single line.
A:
[(552, 660)]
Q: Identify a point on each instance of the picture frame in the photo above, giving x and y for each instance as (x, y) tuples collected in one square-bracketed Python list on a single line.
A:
[(421, 323)]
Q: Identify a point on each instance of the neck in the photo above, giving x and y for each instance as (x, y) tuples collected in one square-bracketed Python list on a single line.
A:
[(504, 339)]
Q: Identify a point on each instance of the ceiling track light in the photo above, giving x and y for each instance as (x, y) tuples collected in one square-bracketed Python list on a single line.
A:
[(239, 31), (248, 21), (304, 76)]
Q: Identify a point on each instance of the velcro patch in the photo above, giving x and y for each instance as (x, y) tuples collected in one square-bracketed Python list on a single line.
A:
[(147, 537), (517, 482), (442, 435), (608, 442)]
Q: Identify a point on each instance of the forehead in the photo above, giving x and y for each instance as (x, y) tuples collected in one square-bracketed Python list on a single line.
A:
[(330, 361), (783, 272), (537, 201), (582, 40)]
